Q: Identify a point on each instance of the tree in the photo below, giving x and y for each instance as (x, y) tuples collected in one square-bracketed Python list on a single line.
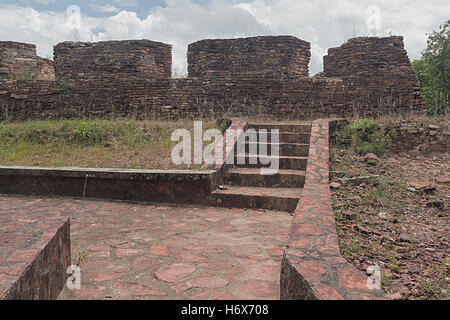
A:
[(433, 71)]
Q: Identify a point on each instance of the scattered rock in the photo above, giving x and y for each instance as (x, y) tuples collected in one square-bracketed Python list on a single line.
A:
[(386, 216), (442, 179), (436, 204), (406, 238), (395, 296), (371, 159), (355, 198), (371, 156), (414, 270), (421, 186), (366, 231), (362, 230), (335, 185), (358, 180), (350, 215)]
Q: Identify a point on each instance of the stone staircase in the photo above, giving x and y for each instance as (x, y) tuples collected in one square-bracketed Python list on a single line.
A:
[(246, 187)]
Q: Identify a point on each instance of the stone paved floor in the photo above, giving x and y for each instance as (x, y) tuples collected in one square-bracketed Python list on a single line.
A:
[(141, 251)]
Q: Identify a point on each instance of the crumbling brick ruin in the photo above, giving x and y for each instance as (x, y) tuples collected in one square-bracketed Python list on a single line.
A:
[(19, 61), (141, 59), (365, 77), (267, 56), (378, 69)]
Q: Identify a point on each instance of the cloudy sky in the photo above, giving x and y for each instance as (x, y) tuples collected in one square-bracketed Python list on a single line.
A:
[(324, 23)]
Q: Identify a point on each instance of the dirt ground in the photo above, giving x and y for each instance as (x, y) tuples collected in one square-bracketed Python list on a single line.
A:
[(390, 220)]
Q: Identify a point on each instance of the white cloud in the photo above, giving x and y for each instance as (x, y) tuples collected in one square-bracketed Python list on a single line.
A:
[(126, 3), (324, 23), (108, 8), (45, 1)]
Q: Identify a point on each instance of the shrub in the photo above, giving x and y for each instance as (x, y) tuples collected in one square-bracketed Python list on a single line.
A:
[(365, 136)]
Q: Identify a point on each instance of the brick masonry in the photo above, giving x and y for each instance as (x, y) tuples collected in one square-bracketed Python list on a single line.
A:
[(19, 61), (34, 254), (276, 56), (135, 59), (418, 136), (312, 266), (378, 70), (120, 84)]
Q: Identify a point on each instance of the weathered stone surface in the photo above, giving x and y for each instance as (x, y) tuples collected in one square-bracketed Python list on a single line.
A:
[(125, 184), (426, 139), (19, 61), (257, 56), (379, 72), (123, 84), (130, 59), (174, 272), (34, 255), (312, 266)]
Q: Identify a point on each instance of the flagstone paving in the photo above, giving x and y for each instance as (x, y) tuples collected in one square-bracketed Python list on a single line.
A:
[(144, 251)]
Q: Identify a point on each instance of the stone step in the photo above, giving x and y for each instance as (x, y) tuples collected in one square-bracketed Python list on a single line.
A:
[(290, 128), (286, 137), (285, 162), (284, 149), (289, 137), (252, 177), (280, 199)]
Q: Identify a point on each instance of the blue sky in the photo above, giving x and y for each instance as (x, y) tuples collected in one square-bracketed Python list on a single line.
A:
[(99, 8), (324, 23), (94, 8)]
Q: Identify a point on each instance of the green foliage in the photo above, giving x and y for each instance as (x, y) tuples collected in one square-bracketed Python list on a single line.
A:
[(71, 132), (365, 136), (124, 143), (433, 71), (223, 124), (62, 86)]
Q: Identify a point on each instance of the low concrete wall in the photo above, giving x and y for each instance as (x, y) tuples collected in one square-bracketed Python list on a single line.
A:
[(34, 256), (312, 266), (137, 185)]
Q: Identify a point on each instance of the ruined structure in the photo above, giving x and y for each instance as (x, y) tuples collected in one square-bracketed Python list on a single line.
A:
[(19, 61), (257, 56), (377, 69), (141, 59), (261, 76)]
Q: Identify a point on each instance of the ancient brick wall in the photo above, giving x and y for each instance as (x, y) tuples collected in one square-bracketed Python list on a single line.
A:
[(45, 68), (19, 61), (377, 71), (81, 61), (276, 56), (418, 135), (128, 89), (291, 98)]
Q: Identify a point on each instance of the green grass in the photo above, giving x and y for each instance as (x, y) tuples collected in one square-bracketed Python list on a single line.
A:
[(367, 136), (121, 143)]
